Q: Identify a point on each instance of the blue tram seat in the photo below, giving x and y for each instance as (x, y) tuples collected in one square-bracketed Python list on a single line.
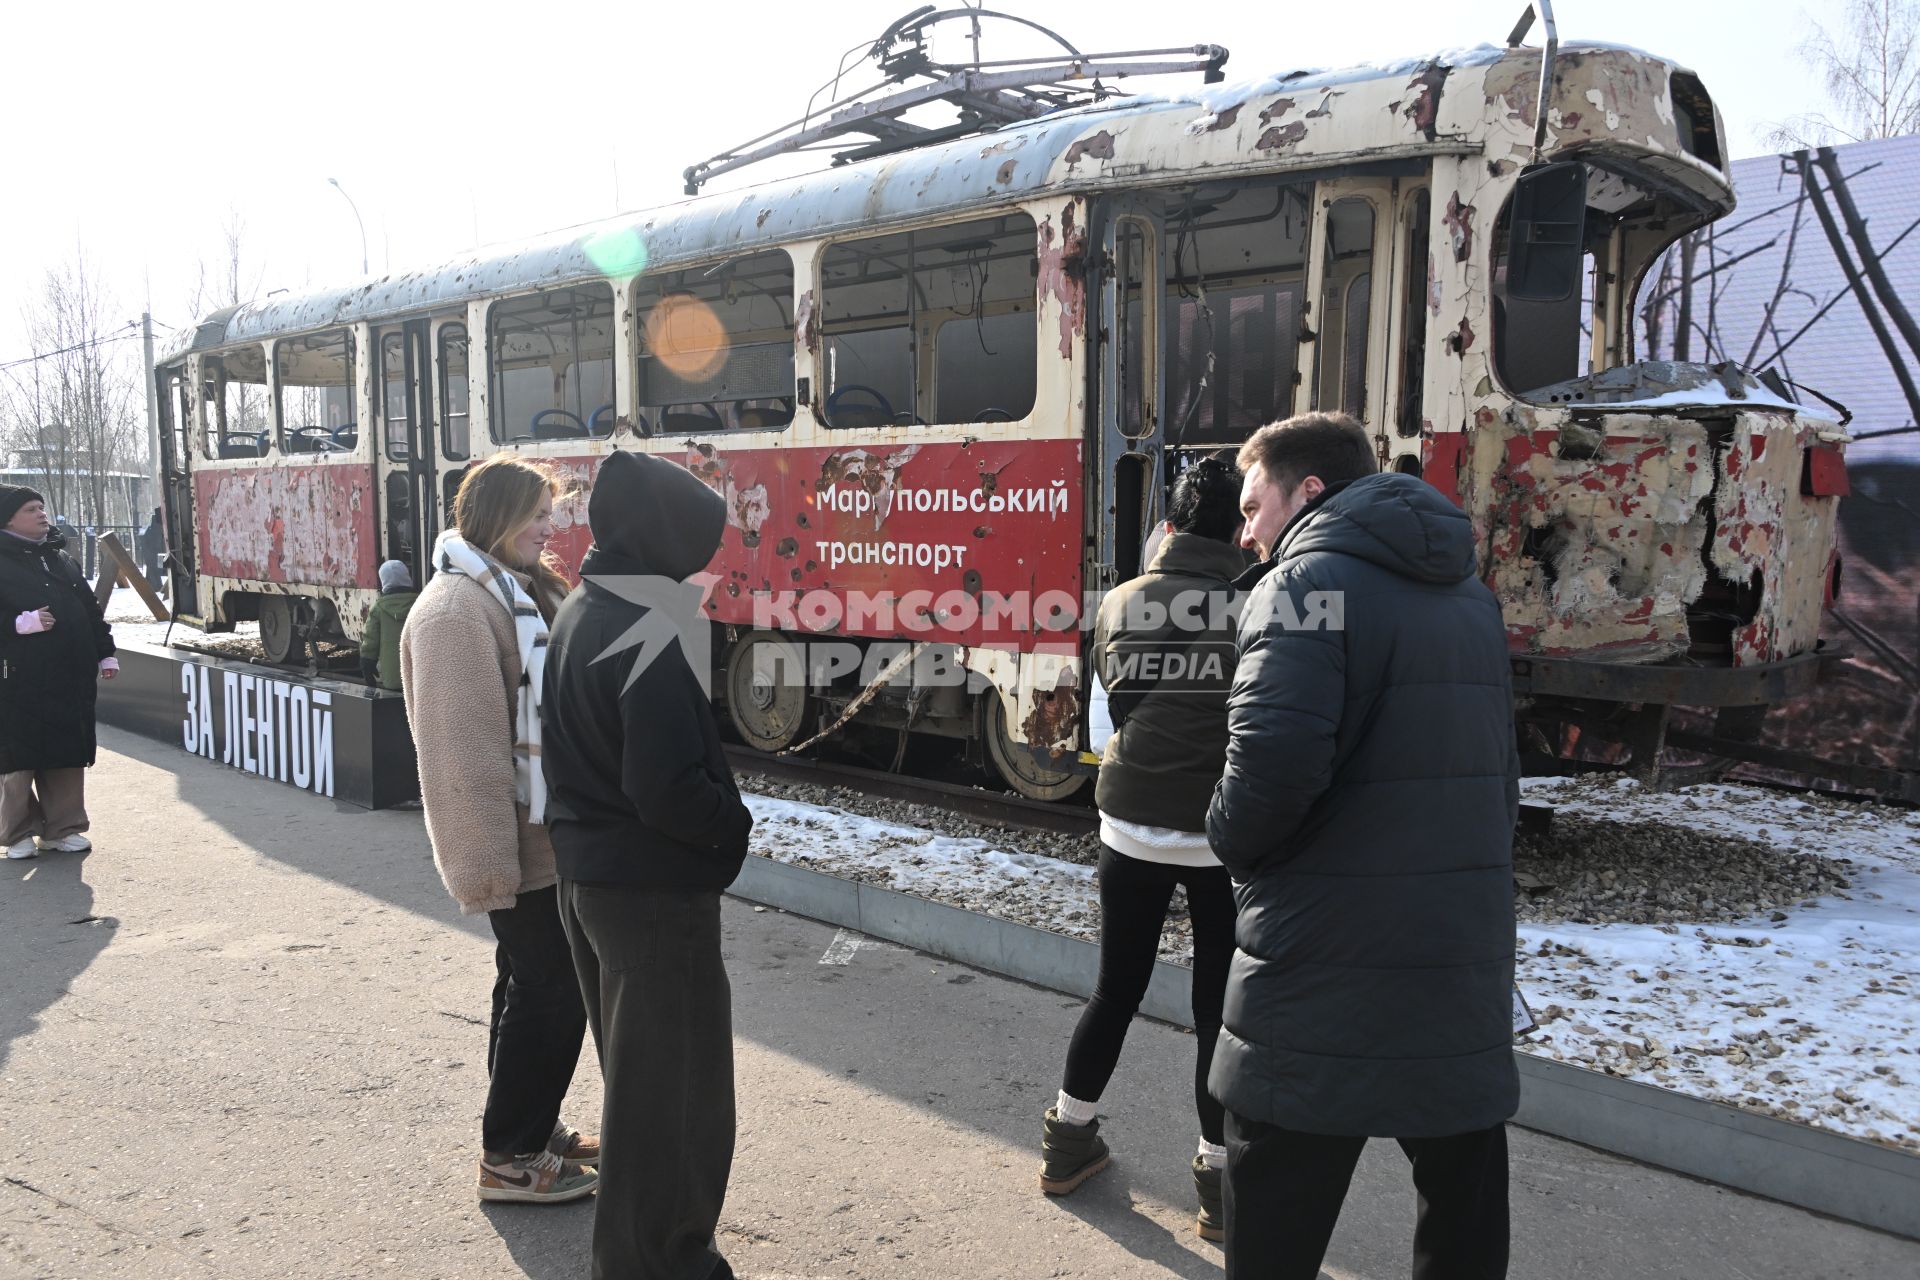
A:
[(557, 424)]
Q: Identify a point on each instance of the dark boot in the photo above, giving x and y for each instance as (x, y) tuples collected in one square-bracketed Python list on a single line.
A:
[(1212, 1222), (1073, 1153)]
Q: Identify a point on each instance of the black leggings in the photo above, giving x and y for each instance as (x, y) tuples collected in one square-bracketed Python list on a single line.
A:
[(1133, 908)]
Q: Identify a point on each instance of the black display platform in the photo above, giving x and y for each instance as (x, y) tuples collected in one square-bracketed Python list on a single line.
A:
[(332, 737)]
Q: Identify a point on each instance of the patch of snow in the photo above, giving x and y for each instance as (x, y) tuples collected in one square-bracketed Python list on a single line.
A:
[(1810, 1016)]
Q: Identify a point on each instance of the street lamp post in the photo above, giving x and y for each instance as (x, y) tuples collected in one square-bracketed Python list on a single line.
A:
[(335, 182)]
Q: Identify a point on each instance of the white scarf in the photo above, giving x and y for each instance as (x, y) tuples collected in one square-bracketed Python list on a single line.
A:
[(453, 554)]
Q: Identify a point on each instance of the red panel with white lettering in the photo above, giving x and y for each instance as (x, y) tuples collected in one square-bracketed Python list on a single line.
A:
[(968, 539)]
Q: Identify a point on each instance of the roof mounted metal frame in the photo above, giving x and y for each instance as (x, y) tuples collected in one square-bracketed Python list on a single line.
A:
[(987, 94)]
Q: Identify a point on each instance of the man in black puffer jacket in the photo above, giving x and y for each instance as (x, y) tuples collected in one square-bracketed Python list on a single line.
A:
[(648, 829), (1366, 815)]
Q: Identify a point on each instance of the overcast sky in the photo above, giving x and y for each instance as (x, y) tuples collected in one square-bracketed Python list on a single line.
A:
[(132, 130)]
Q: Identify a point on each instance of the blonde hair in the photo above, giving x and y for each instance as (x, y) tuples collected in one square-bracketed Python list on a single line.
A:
[(497, 499)]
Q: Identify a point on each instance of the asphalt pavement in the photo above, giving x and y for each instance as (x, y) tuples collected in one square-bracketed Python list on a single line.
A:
[(245, 1037)]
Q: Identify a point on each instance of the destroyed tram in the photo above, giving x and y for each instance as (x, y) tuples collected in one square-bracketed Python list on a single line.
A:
[(961, 369)]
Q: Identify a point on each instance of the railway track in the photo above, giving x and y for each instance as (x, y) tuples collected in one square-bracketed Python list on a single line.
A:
[(1001, 807)]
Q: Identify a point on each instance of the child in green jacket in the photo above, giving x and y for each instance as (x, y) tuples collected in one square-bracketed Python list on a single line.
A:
[(380, 644)]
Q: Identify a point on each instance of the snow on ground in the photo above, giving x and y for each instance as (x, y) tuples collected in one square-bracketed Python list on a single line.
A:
[(133, 623), (1803, 1009), (1808, 1012), (962, 871)]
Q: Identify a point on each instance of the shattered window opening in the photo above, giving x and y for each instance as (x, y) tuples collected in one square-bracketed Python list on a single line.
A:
[(551, 364), (931, 327), (1231, 324), (1547, 357), (716, 347), (238, 425), (313, 381)]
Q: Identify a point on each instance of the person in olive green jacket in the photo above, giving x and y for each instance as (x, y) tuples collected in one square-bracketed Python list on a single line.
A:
[(380, 644)]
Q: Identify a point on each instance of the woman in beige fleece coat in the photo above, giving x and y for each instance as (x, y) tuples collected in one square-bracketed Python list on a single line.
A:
[(471, 658)]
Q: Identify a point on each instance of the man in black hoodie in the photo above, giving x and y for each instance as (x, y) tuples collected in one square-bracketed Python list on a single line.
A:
[(1366, 816), (648, 829)]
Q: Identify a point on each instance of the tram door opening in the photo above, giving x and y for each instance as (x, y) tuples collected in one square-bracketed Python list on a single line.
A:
[(408, 443), (1126, 463), (174, 399)]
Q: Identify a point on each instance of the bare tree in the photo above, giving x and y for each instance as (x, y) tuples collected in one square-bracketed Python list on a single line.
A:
[(1872, 71), (73, 409), (227, 279)]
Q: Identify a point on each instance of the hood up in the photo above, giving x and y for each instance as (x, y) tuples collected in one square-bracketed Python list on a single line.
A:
[(1393, 520), (654, 515)]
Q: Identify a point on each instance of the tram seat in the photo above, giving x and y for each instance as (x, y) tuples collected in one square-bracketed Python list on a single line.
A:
[(601, 423), (346, 439), (760, 418), (557, 424), (859, 417), (705, 419), (243, 444)]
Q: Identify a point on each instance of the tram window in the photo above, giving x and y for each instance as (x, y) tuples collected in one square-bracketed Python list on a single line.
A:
[(313, 378), (1542, 343), (552, 364), (1413, 313), (395, 421), (971, 351), (1230, 330), (455, 426), (1345, 293), (932, 326), (239, 423), (716, 347)]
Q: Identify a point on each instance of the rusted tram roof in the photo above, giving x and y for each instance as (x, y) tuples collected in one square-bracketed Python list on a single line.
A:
[(1274, 124)]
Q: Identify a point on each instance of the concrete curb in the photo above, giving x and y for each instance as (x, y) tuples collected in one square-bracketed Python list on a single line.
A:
[(1859, 1181)]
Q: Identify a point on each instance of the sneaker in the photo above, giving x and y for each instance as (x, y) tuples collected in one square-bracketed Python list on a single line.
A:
[(571, 1144), (25, 849), (1072, 1153), (1211, 1222), (539, 1178), (75, 843)]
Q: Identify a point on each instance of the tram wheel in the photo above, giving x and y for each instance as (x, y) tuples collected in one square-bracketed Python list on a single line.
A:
[(1016, 765), (280, 629), (767, 696)]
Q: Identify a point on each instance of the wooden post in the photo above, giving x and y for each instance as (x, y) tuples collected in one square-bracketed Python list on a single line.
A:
[(125, 570)]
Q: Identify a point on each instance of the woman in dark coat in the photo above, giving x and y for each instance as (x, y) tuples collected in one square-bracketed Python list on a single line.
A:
[(54, 643)]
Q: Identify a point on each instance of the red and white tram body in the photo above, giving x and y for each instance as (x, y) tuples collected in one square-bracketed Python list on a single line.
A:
[(968, 372)]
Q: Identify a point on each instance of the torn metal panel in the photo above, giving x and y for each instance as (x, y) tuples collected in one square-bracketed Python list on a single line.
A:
[(1593, 541), (1638, 535)]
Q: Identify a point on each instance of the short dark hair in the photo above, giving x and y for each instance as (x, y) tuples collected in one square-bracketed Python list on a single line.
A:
[(1332, 446), (1206, 500)]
